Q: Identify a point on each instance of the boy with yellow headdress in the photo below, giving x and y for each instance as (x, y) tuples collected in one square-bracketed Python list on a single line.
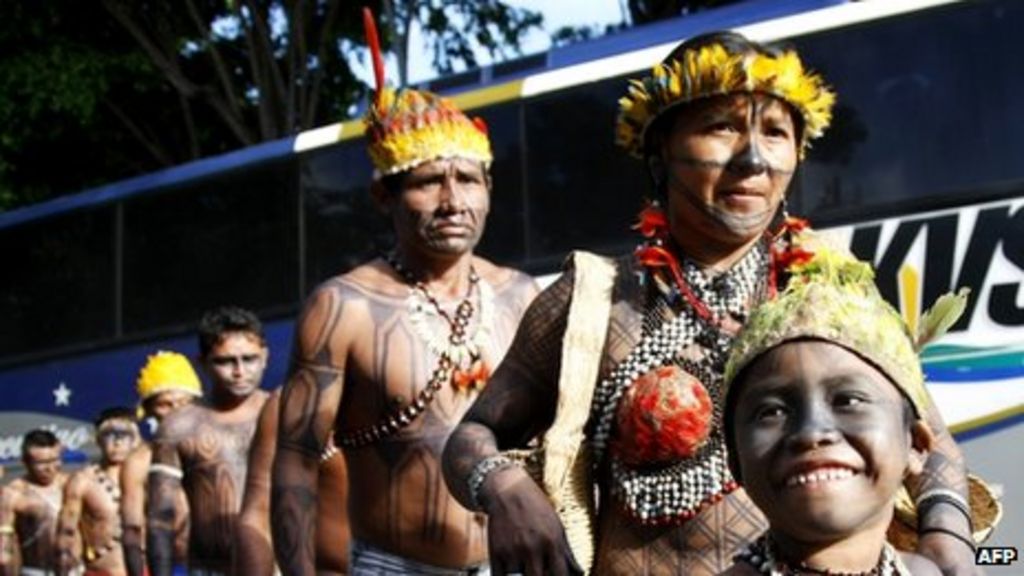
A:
[(824, 419), (166, 383), (617, 368)]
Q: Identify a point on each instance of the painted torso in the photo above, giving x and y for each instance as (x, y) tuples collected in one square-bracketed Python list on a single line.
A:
[(399, 501)]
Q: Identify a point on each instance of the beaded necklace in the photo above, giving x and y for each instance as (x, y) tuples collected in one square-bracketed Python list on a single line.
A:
[(763, 556), (675, 493), (109, 485), (459, 361), (463, 349), (113, 489)]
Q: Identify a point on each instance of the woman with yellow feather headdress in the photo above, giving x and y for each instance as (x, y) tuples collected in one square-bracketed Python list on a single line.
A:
[(617, 371)]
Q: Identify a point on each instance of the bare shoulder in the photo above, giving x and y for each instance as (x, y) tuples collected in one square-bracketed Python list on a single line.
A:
[(139, 459), (181, 423), (374, 279), (266, 426), (503, 278), (273, 401), (919, 565), (16, 486), (12, 494), (80, 480), (513, 289)]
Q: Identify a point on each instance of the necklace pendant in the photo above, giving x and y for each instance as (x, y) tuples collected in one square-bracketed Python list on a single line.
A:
[(471, 378)]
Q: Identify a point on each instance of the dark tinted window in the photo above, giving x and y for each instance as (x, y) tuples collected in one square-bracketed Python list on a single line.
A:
[(583, 190), (227, 240), (929, 109), (505, 238), (343, 226), (57, 284)]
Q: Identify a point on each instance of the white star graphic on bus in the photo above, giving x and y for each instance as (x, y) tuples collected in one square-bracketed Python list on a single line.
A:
[(62, 395)]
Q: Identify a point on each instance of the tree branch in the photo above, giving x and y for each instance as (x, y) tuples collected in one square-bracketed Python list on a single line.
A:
[(258, 77), (227, 85), (321, 53), (168, 65), (190, 126), (159, 154), (276, 82)]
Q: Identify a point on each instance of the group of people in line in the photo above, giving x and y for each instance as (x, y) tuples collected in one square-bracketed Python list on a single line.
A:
[(733, 397)]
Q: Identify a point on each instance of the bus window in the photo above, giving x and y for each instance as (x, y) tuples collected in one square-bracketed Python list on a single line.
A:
[(230, 239), (583, 192), (929, 108), (57, 283), (504, 240), (343, 228)]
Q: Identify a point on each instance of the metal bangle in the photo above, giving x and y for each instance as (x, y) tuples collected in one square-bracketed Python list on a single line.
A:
[(951, 534), (6, 529), (929, 499), (952, 494), (481, 471)]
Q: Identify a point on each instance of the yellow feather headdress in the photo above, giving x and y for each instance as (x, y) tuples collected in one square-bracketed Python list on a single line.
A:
[(167, 371), (711, 71), (406, 128)]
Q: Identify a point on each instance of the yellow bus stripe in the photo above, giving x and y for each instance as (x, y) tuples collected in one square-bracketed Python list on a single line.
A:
[(504, 92), (986, 420)]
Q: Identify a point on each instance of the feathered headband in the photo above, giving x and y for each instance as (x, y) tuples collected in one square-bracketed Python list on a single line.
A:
[(167, 371), (712, 70), (406, 128), (832, 296)]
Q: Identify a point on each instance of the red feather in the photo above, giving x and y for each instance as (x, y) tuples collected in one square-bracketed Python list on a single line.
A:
[(370, 28), (653, 223)]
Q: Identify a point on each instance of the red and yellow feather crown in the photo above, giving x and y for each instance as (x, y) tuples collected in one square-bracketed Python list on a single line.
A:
[(406, 127)]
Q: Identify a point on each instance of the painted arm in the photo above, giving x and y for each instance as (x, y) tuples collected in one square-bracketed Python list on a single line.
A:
[(133, 510), (309, 406), (164, 479), (943, 470), (68, 536), (524, 532), (10, 564), (254, 554)]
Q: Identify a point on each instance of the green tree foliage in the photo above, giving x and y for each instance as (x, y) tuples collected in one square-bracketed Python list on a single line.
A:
[(65, 77), (93, 92)]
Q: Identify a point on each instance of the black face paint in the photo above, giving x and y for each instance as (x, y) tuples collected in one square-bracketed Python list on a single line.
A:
[(738, 223), (749, 161), (115, 434), (746, 162)]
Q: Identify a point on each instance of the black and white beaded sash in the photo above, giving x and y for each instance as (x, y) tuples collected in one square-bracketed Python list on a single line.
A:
[(656, 495)]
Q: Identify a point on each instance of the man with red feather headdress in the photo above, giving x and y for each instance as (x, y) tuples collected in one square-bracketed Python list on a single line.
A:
[(391, 354)]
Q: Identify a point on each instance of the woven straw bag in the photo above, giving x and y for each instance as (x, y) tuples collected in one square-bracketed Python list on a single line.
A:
[(560, 462)]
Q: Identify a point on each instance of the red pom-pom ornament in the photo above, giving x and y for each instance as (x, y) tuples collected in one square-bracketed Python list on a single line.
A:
[(664, 417)]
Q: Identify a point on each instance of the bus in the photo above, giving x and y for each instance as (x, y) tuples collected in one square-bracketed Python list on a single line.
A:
[(922, 171)]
